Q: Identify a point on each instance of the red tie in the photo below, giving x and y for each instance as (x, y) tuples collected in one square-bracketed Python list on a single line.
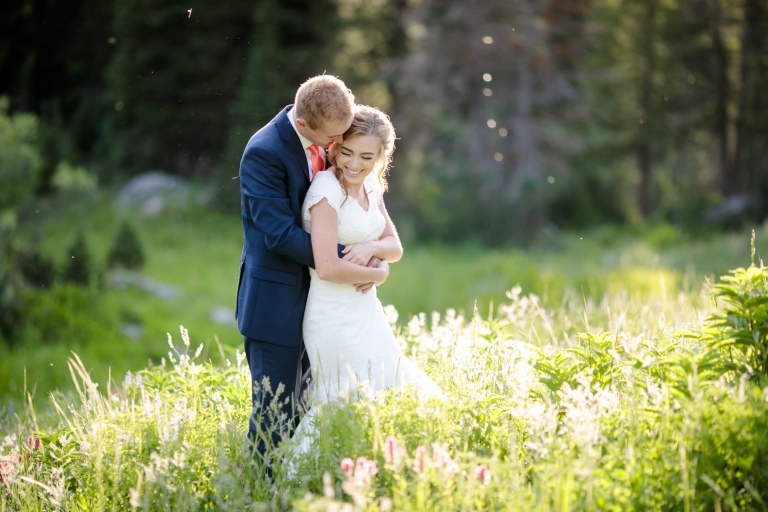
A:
[(317, 161)]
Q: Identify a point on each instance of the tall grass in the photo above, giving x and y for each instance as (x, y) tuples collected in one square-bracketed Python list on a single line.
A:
[(609, 404)]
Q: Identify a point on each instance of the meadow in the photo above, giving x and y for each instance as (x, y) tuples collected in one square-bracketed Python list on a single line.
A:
[(601, 371)]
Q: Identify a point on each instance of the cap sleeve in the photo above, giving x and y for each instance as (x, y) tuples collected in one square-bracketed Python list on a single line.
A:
[(324, 186)]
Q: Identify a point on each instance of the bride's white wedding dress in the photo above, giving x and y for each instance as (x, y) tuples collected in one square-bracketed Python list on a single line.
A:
[(348, 339)]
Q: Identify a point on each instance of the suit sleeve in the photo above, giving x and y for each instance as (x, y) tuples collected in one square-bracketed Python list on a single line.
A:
[(262, 182)]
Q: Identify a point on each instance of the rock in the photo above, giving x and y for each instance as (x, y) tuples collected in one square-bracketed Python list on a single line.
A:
[(132, 331), (150, 192), (122, 279), (223, 315), (731, 211)]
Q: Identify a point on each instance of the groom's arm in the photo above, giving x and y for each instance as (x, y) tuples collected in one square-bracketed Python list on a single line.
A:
[(262, 182)]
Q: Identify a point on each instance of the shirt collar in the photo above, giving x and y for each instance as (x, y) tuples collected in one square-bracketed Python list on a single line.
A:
[(305, 142)]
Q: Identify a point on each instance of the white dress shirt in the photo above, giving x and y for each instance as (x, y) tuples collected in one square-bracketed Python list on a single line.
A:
[(305, 142)]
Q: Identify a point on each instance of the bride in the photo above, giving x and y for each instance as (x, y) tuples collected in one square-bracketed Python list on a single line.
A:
[(348, 339)]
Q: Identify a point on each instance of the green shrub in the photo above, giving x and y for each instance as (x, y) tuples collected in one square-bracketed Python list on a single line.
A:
[(78, 264), (20, 159), (126, 250), (67, 313)]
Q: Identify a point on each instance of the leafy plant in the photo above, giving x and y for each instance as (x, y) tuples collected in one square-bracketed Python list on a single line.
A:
[(740, 324)]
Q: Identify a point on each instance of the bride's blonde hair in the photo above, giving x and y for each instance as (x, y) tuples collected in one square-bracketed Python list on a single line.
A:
[(370, 121)]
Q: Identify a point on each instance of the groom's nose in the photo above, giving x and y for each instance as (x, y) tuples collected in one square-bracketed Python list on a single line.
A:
[(338, 139)]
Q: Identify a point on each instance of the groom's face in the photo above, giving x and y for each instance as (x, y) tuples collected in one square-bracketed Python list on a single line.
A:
[(326, 133)]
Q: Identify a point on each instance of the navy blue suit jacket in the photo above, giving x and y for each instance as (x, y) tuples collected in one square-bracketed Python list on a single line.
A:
[(274, 275)]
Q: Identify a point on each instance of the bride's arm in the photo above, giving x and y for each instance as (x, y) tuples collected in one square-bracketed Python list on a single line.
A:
[(329, 267), (387, 248)]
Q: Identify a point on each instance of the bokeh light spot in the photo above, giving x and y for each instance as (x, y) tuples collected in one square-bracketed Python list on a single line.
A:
[(488, 40), (498, 157), (119, 106), (503, 132), (487, 92), (491, 123), (487, 77)]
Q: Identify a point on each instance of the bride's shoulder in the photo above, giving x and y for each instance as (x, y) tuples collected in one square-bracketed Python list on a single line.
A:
[(328, 174), (325, 180)]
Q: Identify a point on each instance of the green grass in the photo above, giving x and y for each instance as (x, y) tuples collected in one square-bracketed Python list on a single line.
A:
[(610, 404), (198, 251)]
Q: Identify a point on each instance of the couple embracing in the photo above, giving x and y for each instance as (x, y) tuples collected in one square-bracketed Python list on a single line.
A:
[(318, 240)]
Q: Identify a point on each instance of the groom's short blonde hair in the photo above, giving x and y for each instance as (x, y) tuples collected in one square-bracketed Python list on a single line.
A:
[(324, 98)]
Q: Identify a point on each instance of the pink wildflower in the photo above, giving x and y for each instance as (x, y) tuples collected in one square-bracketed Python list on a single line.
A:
[(33, 443), (393, 452), (347, 466), (420, 459), (370, 467), (483, 474)]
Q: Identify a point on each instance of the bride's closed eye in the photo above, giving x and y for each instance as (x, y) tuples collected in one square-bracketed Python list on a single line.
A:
[(345, 153)]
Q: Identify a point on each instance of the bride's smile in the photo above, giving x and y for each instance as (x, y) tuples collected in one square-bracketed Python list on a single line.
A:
[(357, 159)]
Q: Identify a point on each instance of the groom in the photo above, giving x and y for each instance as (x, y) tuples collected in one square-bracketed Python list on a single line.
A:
[(277, 167)]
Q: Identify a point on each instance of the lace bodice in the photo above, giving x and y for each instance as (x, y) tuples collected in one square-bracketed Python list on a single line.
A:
[(355, 224)]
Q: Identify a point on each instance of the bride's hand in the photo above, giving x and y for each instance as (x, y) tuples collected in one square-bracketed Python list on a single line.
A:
[(359, 254), (373, 263), (384, 266)]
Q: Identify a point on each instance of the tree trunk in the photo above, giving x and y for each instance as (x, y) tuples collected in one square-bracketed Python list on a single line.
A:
[(729, 183), (525, 140), (644, 142), (743, 134)]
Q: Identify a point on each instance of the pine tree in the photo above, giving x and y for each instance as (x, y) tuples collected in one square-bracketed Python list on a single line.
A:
[(172, 80), (288, 43), (126, 250), (78, 266)]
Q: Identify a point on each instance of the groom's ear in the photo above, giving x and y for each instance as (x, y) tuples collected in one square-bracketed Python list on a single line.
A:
[(301, 123)]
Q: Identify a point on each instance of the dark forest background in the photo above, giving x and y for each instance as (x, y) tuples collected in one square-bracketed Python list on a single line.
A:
[(516, 117), (573, 147)]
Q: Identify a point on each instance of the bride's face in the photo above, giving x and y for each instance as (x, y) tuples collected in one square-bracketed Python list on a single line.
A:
[(357, 157)]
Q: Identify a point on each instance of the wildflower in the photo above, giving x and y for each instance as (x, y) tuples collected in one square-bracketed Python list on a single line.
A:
[(347, 466), (370, 468), (451, 467), (328, 491), (393, 452), (483, 474), (420, 459), (440, 456), (33, 443)]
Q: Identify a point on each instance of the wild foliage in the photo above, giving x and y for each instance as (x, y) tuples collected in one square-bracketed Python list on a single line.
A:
[(652, 414)]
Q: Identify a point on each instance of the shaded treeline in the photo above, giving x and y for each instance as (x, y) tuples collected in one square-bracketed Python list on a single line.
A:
[(515, 116)]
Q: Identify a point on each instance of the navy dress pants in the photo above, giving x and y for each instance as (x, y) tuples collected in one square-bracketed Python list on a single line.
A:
[(282, 365)]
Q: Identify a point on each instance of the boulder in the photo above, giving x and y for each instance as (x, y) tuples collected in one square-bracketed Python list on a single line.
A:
[(150, 192)]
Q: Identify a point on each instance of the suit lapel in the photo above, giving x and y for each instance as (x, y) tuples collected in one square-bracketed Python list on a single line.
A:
[(291, 139)]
